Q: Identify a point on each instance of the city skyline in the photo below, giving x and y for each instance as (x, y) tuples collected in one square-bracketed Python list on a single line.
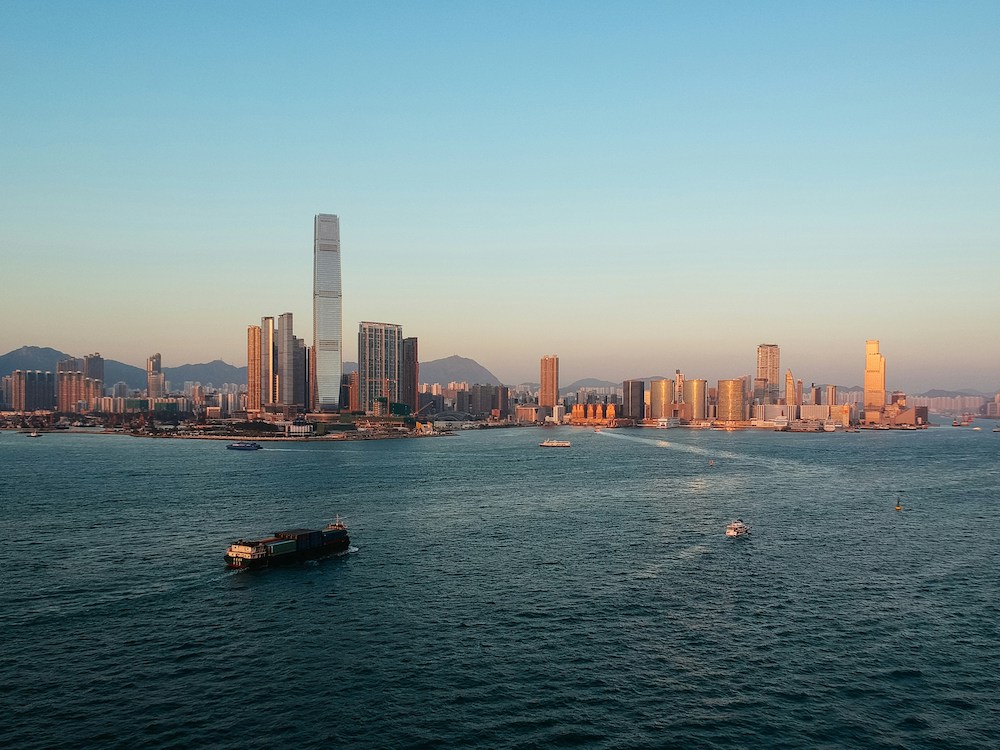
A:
[(814, 177)]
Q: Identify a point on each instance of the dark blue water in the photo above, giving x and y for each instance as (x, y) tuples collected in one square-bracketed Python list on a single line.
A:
[(502, 595)]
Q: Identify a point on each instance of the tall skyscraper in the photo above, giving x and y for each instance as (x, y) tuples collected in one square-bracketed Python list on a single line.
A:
[(831, 395), (286, 360), (410, 374), (790, 389), (768, 367), (155, 379), (253, 370), (268, 363), (634, 399), (548, 391), (380, 358), (328, 331), (874, 376), (678, 387)]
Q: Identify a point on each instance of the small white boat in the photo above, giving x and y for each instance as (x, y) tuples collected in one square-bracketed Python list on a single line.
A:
[(737, 528), (997, 428), (34, 433), (555, 444)]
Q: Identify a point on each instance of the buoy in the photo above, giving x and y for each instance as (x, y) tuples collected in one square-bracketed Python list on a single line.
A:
[(899, 506)]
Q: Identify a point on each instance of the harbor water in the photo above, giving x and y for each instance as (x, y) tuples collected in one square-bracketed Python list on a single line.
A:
[(501, 595)]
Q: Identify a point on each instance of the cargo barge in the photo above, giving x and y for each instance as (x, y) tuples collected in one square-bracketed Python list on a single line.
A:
[(288, 546)]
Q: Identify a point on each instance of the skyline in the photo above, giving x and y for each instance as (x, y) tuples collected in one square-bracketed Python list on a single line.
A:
[(639, 192)]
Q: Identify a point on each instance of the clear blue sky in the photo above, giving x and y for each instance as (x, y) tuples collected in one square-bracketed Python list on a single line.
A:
[(636, 187)]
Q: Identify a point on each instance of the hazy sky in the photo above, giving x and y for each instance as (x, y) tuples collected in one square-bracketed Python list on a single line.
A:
[(636, 187)]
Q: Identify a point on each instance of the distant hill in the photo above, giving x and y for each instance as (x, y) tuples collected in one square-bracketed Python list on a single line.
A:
[(45, 358), (588, 383), (456, 369)]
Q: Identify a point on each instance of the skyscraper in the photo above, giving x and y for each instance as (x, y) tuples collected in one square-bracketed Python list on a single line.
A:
[(790, 388), (730, 406), (634, 399), (286, 360), (696, 398), (874, 376), (268, 363), (253, 370), (548, 391), (410, 374), (661, 398), (155, 382), (380, 357), (328, 333), (768, 367)]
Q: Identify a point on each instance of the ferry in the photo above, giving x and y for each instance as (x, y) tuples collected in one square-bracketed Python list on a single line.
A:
[(555, 444), (244, 445)]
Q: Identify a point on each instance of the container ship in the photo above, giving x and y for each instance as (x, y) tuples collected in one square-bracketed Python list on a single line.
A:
[(291, 545)]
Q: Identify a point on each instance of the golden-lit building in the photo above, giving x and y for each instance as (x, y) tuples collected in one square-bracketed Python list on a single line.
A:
[(730, 401), (253, 370), (661, 398), (548, 392), (874, 377), (695, 399), (790, 389)]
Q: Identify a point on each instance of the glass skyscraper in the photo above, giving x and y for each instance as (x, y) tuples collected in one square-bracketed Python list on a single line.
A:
[(328, 334), (380, 359)]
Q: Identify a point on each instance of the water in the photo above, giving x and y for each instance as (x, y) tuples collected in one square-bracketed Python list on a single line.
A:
[(503, 595)]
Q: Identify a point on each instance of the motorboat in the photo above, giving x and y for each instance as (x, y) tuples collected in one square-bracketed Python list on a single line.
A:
[(555, 444), (737, 528), (244, 445)]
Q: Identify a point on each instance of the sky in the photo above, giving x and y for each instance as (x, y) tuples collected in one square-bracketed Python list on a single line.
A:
[(635, 187)]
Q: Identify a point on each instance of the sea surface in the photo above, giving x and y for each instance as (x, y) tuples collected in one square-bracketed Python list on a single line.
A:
[(501, 595)]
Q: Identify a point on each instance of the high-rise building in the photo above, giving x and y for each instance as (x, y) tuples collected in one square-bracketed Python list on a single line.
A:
[(678, 387), (253, 370), (874, 376), (634, 399), (661, 397), (155, 379), (286, 360), (790, 388), (768, 367), (268, 363), (548, 391), (410, 375), (93, 368), (32, 390), (328, 331), (380, 358), (696, 398), (730, 401), (831, 395)]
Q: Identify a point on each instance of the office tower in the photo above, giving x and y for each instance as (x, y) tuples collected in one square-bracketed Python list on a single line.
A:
[(634, 400), (730, 401), (661, 398), (790, 389), (268, 363), (768, 367), (155, 379), (380, 350), (817, 397), (410, 375), (798, 392), (696, 398), (253, 370), (286, 360), (678, 387), (300, 373), (548, 391), (874, 376), (328, 331)]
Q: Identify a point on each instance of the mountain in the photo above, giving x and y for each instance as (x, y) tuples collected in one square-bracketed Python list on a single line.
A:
[(45, 358), (588, 383), (456, 369)]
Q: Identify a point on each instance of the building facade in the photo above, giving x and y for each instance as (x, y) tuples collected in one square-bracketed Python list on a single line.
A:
[(548, 391), (661, 399), (730, 403), (155, 380), (380, 359), (768, 369), (328, 334), (410, 374), (874, 377), (634, 400), (696, 399), (253, 371)]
